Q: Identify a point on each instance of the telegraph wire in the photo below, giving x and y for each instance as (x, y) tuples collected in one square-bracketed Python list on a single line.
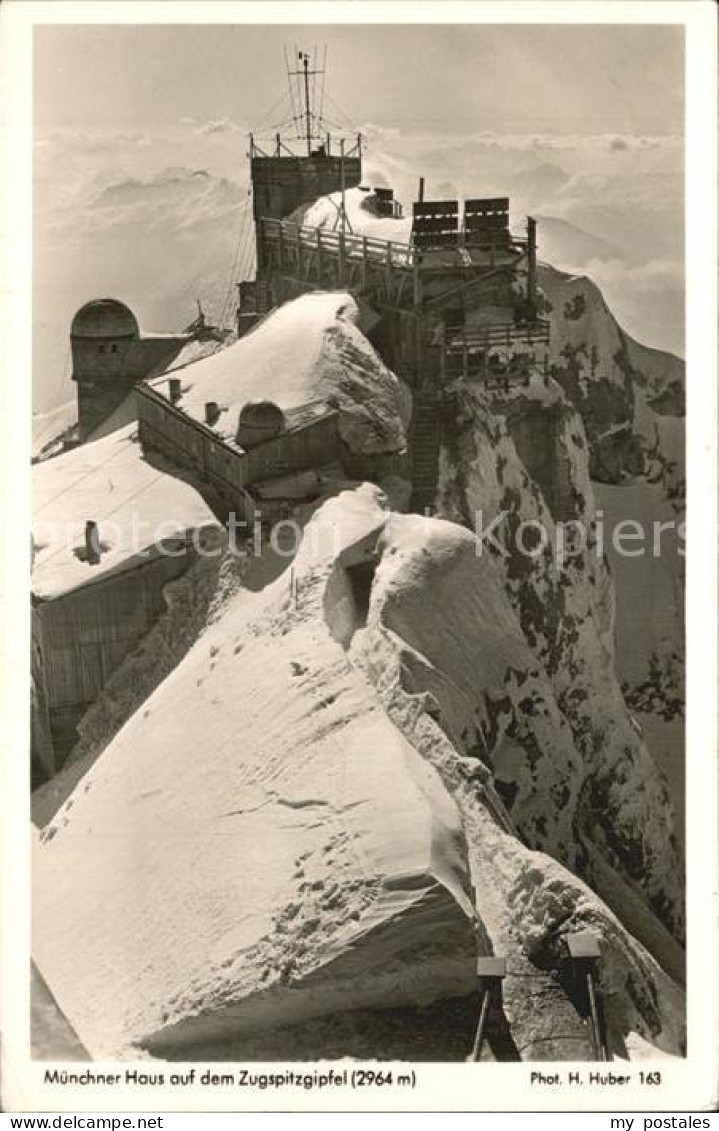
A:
[(322, 89), (349, 124), (263, 120), (240, 240), (90, 471), (293, 108)]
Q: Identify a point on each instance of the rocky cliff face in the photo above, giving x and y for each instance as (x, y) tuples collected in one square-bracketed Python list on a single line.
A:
[(631, 400), (557, 584), (619, 387)]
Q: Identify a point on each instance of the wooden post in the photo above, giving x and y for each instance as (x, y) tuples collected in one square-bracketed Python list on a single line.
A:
[(365, 268), (388, 270), (343, 215), (532, 264), (420, 192), (281, 245), (299, 252), (490, 972), (320, 264), (584, 954)]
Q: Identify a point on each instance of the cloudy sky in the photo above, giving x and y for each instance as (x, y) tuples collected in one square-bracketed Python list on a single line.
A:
[(141, 170), (590, 79)]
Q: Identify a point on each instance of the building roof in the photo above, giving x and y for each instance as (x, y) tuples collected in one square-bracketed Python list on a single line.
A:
[(135, 505)]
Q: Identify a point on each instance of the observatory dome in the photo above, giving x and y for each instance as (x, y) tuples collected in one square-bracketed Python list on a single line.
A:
[(259, 421), (104, 318)]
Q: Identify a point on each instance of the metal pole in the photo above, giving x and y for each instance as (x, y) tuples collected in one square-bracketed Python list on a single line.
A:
[(532, 263), (479, 1035), (599, 1050), (342, 211), (342, 184), (305, 65)]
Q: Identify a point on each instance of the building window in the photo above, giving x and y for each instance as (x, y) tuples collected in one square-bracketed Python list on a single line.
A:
[(102, 348), (113, 347)]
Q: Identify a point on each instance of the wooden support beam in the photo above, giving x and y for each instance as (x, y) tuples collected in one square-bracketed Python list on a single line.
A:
[(531, 261)]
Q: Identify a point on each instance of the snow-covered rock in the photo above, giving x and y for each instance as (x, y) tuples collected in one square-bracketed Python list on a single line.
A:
[(265, 844), (276, 833), (612, 380), (361, 215), (598, 773), (309, 352)]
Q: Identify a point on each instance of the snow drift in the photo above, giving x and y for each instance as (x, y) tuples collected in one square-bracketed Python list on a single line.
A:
[(308, 353), (307, 860), (294, 844)]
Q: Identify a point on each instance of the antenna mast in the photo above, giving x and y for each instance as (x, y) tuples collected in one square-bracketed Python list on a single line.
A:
[(306, 73)]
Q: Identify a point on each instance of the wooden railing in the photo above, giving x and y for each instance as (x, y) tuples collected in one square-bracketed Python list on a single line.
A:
[(357, 248), (289, 234), (500, 334)]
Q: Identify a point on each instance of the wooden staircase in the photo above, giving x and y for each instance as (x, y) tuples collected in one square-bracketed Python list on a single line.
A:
[(424, 441)]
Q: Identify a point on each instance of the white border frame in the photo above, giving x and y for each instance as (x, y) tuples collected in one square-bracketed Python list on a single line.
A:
[(689, 1084)]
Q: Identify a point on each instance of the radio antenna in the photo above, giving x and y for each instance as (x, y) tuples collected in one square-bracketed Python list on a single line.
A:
[(306, 74)]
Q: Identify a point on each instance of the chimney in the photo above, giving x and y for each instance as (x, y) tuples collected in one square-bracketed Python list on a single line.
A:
[(175, 390), (92, 543), (420, 195), (212, 412)]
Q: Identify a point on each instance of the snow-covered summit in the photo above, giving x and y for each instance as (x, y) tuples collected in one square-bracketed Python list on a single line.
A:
[(309, 352)]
